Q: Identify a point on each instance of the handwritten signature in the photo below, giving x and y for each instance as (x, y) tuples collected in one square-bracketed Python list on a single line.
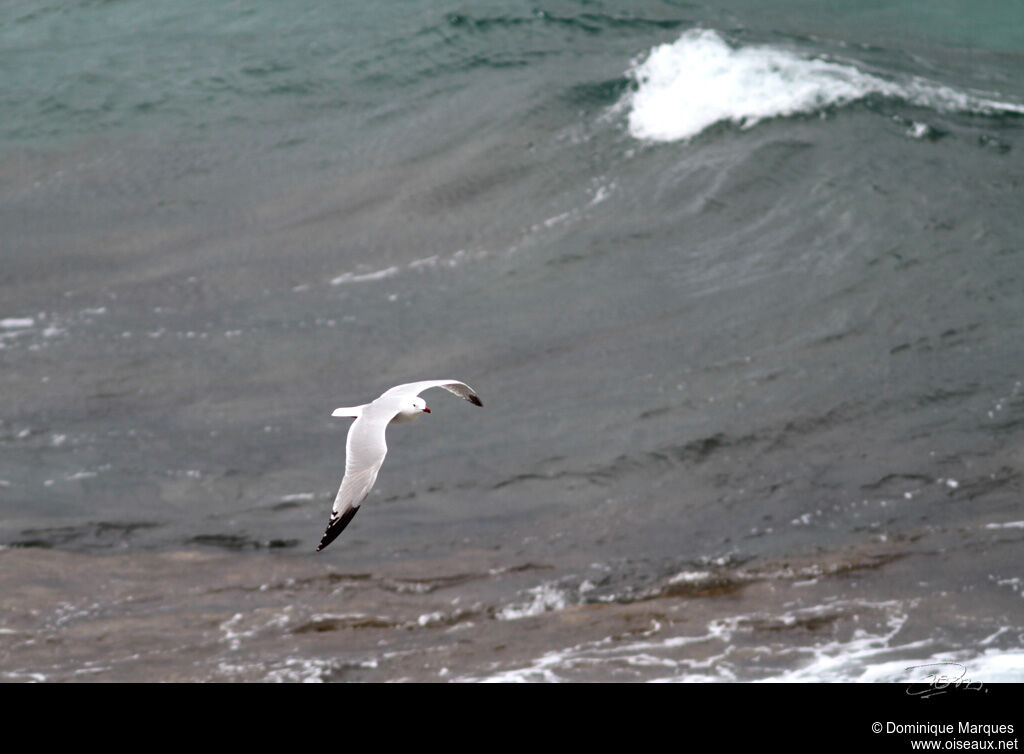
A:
[(939, 682)]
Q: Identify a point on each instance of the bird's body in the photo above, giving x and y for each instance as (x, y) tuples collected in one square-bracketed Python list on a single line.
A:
[(366, 447)]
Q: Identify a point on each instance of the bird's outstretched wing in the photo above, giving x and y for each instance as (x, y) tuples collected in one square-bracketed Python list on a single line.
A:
[(365, 449), (460, 389)]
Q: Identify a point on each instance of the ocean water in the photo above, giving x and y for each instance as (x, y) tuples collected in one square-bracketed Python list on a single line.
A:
[(741, 286)]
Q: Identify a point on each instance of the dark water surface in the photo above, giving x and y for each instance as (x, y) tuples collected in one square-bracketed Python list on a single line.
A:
[(741, 287)]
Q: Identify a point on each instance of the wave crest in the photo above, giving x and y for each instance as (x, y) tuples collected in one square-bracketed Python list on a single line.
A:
[(699, 80)]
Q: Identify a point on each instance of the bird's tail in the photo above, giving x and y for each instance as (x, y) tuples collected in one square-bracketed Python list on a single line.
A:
[(348, 411)]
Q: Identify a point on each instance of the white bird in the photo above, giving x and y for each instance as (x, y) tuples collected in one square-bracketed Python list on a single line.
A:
[(365, 447)]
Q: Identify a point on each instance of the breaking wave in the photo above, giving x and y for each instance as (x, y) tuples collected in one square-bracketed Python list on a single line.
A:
[(701, 79)]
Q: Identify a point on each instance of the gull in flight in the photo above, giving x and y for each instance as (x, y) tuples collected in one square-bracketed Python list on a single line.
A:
[(365, 448)]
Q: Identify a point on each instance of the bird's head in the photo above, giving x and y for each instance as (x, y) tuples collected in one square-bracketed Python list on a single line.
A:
[(409, 409)]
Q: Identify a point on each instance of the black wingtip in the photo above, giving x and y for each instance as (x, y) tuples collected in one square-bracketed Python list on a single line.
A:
[(336, 526), (475, 401)]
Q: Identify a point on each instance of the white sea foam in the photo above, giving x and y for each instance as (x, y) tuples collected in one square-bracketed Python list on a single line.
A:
[(701, 79), (919, 130), (300, 670), (297, 496), (430, 262), (715, 654), (1006, 525), (16, 323), (351, 277), (859, 661), (690, 577), (542, 599), (44, 329)]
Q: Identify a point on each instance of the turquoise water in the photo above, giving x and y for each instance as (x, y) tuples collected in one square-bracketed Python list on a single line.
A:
[(71, 70), (739, 284), (961, 24)]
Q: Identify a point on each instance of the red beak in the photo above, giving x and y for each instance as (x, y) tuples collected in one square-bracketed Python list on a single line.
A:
[(426, 410)]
